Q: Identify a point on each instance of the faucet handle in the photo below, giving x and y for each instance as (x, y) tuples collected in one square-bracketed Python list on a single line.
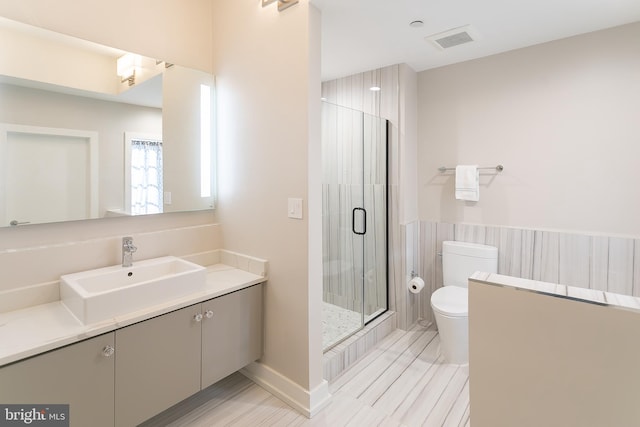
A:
[(127, 251), (127, 243)]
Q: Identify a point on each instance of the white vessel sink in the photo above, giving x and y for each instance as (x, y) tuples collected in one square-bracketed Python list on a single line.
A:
[(96, 295)]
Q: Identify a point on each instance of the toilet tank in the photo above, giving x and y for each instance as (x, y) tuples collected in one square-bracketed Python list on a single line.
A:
[(461, 259)]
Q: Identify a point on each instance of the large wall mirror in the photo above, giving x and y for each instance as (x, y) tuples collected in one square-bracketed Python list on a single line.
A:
[(88, 131)]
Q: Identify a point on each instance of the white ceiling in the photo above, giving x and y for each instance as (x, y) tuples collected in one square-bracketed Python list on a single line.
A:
[(362, 35)]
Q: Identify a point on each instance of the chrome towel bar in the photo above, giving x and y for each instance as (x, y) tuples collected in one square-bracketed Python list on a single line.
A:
[(498, 168)]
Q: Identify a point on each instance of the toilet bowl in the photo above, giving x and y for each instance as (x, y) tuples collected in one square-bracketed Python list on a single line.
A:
[(451, 312), (450, 303)]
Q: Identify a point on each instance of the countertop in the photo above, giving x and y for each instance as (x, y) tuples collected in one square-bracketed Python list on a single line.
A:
[(34, 330), (591, 296)]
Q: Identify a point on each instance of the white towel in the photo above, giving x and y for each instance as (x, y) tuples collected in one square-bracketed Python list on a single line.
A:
[(467, 182)]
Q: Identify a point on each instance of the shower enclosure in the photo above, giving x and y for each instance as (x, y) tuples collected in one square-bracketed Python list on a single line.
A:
[(354, 191)]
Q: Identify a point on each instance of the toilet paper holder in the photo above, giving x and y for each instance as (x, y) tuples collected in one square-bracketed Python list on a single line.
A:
[(415, 284)]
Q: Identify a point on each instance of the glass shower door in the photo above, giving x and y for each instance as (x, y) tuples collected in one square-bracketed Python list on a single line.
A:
[(354, 221), (375, 201)]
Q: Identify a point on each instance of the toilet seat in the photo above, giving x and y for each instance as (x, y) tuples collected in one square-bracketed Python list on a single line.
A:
[(452, 301)]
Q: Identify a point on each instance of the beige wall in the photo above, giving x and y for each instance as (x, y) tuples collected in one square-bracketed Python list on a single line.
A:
[(54, 61), (267, 66), (268, 94), (562, 118), (163, 29)]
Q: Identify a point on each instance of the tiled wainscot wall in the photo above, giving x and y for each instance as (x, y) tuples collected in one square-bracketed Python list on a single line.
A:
[(606, 263)]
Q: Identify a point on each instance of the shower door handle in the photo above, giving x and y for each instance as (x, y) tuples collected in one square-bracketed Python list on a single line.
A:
[(353, 221)]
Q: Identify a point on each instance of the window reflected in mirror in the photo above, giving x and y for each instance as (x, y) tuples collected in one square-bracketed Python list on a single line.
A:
[(143, 174)]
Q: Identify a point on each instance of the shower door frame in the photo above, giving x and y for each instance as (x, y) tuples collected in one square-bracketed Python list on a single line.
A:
[(379, 313)]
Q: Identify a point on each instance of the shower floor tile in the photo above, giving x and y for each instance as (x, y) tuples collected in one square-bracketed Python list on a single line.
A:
[(338, 323)]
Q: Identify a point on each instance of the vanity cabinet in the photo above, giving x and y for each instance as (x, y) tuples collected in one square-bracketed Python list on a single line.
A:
[(125, 377), (164, 360), (231, 333), (157, 365), (80, 375)]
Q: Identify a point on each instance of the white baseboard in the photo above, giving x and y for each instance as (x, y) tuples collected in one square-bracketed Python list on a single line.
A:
[(307, 402)]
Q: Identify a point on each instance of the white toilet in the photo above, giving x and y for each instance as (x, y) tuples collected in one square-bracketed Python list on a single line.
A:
[(450, 303)]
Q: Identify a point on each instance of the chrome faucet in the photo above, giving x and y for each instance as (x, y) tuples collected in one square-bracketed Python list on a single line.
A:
[(127, 251)]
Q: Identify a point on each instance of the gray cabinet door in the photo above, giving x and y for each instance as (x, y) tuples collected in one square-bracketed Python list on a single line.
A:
[(157, 365), (79, 375), (232, 336)]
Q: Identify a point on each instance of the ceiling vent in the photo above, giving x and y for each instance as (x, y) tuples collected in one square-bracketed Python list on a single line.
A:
[(453, 37)]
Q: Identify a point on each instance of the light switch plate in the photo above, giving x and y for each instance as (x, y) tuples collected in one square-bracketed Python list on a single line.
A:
[(295, 208), (167, 197)]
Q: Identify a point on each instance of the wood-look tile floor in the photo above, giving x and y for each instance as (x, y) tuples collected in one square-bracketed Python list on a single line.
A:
[(402, 382)]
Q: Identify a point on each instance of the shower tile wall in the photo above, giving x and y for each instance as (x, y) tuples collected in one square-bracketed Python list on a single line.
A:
[(411, 265), (353, 92), (588, 261), (397, 268)]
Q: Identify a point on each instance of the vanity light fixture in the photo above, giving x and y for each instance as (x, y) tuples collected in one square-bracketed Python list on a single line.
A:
[(205, 141), (282, 4), (374, 88), (126, 67), (166, 64)]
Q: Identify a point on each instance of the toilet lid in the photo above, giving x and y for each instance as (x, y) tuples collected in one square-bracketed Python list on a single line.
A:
[(451, 301)]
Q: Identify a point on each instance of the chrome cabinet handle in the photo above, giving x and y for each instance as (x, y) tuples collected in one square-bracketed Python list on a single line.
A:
[(198, 317), (108, 351), (209, 314)]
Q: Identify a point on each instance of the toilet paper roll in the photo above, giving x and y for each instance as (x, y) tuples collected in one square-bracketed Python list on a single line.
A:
[(415, 285)]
